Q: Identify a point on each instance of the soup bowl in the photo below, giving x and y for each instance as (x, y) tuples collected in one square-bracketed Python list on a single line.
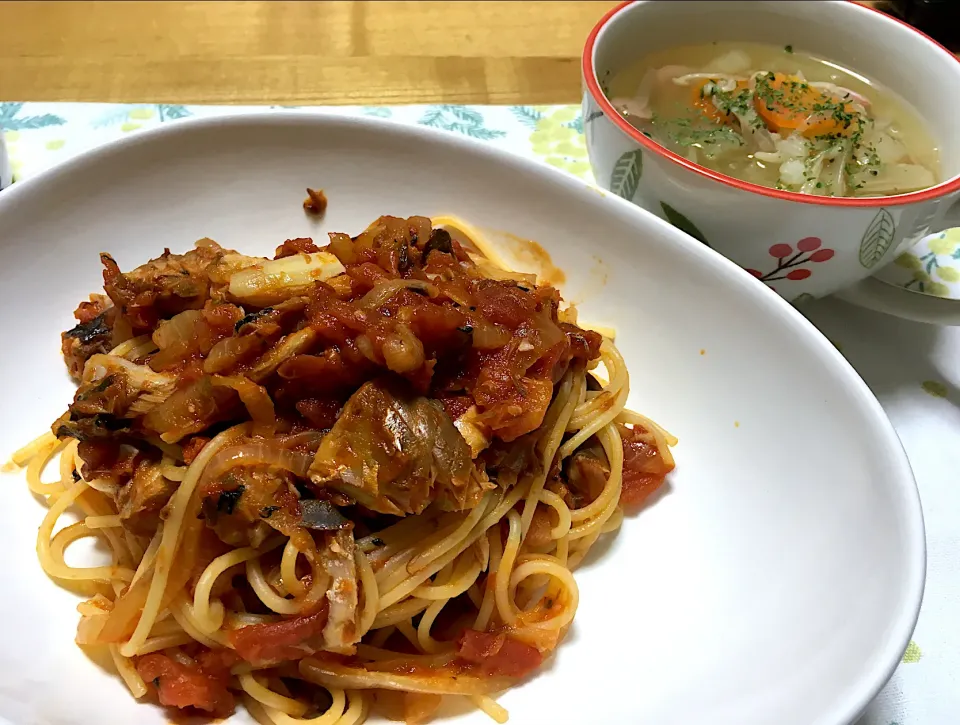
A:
[(799, 245)]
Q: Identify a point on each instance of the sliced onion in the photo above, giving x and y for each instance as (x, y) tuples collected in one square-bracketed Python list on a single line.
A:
[(897, 179), (366, 348), (295, 343), (309, 439), (330, 674), (402, 351), (257, 454), (366, 238), (177, 338), (383, 291), (225, 354), (489, 336), (492, 271), (730, 79), (342, 246), (256, 400), (179, 328), (734, 61)]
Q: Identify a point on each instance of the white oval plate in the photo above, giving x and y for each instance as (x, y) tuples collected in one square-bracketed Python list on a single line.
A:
[(777, 580)]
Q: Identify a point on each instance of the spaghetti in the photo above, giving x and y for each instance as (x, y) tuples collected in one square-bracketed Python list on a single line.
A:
[(344, 480)]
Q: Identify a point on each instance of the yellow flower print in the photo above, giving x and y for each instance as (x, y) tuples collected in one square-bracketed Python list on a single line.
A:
[(558, 139), (934, 271), (934, 388), (141, 114), (908, 261), (946, 243), (913, 653), (949, 274)]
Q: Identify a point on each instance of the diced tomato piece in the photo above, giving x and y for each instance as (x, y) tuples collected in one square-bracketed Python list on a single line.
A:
[(320, 413), (192, 448), (203, 685), (637, 488), (280, 641), (505, 303), (643, 467), (498, 654), (88, 311), (300, 245), (455, 405)]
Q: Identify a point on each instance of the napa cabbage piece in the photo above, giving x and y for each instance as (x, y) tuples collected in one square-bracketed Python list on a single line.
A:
[(112, 392), (268, 282), (396, 453)]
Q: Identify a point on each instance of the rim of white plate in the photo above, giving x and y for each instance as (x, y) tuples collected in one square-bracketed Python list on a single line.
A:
[(877, 673)]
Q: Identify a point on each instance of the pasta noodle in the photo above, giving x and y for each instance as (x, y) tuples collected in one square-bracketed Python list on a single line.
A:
[(338, 609)]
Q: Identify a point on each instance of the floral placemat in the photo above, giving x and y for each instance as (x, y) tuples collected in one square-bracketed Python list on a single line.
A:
[(39, 135), (912, 368)]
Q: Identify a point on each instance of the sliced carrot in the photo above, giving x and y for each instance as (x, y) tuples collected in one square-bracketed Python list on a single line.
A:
[(842, 121), (787, 103), (703, 102)]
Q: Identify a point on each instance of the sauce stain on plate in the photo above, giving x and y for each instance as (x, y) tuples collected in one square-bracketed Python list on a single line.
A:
[(597, 279), (530, 254)]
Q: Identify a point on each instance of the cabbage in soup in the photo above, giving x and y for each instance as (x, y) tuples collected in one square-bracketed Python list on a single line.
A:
[(779, 118)]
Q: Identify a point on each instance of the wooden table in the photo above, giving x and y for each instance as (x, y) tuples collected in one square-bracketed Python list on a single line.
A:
[(294, 52)]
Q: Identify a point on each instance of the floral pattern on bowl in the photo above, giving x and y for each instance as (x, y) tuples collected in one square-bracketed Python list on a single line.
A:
[(931, 267)]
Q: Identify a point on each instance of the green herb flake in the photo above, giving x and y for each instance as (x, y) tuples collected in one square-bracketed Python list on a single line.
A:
[(228, 500), (788, 48)]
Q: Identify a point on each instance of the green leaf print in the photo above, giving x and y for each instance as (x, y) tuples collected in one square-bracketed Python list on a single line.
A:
[(168, 113), (485, 134), (377, 111), (9, 120), (527, 115), (626, 174), (682, 223), (576, 124), (113, 117), (877, 239), (467, 115), (460, 120)]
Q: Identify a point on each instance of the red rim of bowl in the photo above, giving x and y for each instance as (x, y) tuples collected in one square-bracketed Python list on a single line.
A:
[(593, 86)]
